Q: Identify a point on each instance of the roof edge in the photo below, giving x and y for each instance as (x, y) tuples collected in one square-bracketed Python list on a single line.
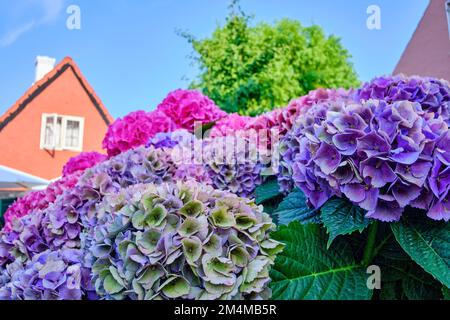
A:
[(47, 80)]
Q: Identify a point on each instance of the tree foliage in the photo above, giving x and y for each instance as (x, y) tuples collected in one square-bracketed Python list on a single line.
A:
[(252, 69)]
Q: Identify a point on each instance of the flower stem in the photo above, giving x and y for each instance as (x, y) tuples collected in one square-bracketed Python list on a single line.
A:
[(370, 245)]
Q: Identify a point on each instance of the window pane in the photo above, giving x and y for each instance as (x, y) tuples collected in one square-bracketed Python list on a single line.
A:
[(72, 134), (49, 132), (58, 132)]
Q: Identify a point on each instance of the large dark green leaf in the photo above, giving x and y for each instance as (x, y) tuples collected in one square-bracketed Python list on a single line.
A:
[(410, 280), (268, 190), (307, 270), (421, 286), (446, 293), (389, 291), (341, 217), (271, 205), (427, 243), (294, 208)]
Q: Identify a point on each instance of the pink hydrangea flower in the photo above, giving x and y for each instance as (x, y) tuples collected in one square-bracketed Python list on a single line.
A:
[(82, 161), (229, 125), (269, 127), (39, 200), (185, 107), (135, 129)]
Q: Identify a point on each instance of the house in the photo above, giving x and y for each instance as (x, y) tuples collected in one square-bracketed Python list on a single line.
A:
[(428, 51), (56, 119)]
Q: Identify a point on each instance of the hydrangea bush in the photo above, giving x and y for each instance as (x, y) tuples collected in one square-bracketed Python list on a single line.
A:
[(359, 178), (59, 226), (183, 241)]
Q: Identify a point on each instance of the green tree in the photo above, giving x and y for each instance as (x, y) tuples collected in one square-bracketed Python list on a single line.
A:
[(252, 69)]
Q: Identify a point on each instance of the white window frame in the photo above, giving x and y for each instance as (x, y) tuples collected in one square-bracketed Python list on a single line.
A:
[(43, 127), (447, 9), (64, 119), (80, 120)]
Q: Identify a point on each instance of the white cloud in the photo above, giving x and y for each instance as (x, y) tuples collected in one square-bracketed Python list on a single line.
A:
[(50, 11), (11, 36)]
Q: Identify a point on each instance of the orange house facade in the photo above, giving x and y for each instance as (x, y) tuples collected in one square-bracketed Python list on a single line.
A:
[(56, 119)]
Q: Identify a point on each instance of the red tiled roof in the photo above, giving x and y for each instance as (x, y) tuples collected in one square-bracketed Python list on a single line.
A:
[(47, 80)]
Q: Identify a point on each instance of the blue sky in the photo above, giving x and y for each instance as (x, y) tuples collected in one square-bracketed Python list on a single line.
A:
[(130, 53)]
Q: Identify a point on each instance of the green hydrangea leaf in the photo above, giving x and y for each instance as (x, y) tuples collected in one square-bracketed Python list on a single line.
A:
[(307, 270), (389, 291), (409, 280), (427, 243), (420, 286), (446, 293), (294, 208), (341, 217), (268, 190), (272, 204)]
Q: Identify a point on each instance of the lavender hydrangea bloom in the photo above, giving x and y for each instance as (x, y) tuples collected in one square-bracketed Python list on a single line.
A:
[(383, 157), (49, 275), (235, 164), (181, 241), (171, 139), (293, 147), (432, 94)]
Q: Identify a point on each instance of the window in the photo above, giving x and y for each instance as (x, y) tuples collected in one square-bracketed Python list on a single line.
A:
[(60, 132), (447, 7)]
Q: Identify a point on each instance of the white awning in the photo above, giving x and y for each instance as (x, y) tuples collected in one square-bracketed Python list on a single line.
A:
[(11, 179)]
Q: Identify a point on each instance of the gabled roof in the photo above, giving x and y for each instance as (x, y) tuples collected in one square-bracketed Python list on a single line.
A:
[(428, 51), (47, 80)]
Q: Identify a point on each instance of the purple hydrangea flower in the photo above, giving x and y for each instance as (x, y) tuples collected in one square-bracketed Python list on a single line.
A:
[(432, 94), (49, 275), (234, 164), (382, 156)]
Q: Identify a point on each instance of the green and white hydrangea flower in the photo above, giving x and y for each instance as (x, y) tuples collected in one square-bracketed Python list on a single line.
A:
[(181, 241)]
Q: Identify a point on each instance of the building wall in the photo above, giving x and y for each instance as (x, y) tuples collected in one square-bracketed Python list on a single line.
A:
[(428, 52), (20, 139)]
